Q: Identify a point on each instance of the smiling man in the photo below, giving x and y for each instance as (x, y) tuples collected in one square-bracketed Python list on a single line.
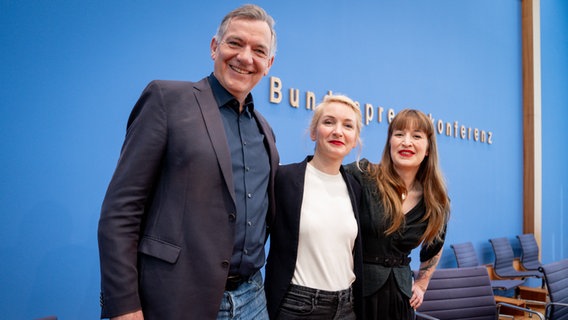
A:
[(183, 223)]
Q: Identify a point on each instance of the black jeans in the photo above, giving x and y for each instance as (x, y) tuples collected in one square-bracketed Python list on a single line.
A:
[(313, 304)]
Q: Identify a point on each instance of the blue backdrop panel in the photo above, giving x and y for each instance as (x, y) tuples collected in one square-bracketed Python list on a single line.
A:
[(71, 71), (554, 31)]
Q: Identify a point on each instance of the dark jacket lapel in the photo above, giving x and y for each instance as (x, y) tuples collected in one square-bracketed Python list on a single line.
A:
[(216, 130)]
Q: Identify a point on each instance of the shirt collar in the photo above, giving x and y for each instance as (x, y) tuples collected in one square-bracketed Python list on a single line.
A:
[(224, 98)]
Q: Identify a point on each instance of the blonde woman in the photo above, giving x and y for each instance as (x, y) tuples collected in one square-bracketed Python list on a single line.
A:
[(314, 264)]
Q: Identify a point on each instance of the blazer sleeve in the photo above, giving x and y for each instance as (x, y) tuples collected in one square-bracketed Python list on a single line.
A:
[(125, 200)]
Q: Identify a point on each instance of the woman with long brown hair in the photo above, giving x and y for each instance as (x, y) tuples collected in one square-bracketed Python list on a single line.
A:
[(404, 205)]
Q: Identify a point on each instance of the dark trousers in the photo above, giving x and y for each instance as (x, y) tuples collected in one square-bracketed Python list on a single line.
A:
[(388, 303), (313, 304)]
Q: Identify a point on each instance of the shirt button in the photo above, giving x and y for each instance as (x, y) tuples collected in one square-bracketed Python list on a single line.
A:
[(232, 217), (247, 168), (225, 264), (245, 251), (249, 223), (249, 195)]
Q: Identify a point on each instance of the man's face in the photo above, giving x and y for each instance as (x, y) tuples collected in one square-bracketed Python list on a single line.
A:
[(242, 57)]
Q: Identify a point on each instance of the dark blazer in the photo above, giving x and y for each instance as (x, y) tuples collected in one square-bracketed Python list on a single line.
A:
[(167, 221), (284, 235)]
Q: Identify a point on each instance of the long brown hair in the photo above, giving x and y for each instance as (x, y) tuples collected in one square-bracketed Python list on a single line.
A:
[(391, 186)]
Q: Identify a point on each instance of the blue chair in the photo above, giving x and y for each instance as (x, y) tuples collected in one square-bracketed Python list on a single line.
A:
[(467, 257), (530, 252), (462, 293), (503, 265), (556, 278)]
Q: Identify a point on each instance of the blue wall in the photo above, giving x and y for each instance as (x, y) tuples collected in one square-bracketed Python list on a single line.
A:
[(554, 43), (71, 71)]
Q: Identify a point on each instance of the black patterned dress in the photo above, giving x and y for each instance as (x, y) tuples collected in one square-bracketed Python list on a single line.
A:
[(387, 277)]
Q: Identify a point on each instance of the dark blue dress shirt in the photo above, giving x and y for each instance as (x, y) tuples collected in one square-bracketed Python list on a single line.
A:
[(251, 170)]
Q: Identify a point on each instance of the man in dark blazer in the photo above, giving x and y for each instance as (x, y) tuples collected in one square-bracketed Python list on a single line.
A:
[(185, 217)]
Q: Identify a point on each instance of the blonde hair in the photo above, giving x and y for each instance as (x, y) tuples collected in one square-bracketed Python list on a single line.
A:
[(391, 186), (343, 99)]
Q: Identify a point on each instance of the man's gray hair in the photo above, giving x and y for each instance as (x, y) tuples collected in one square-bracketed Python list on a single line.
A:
[(250, 12)]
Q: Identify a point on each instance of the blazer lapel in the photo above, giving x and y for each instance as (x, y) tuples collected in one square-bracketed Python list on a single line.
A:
[(216, 131), (297, 196), (269, 136), (274, 157)]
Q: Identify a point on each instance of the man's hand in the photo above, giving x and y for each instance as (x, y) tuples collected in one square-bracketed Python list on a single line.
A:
[(137, 315)]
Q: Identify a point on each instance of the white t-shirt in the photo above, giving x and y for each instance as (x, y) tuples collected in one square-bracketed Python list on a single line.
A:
[(327, 233)]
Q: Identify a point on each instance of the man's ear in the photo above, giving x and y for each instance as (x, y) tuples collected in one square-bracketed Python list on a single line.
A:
[(269, 62), (213, 47)]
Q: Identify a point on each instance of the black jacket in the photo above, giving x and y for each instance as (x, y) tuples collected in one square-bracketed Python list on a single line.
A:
[(284, 236)]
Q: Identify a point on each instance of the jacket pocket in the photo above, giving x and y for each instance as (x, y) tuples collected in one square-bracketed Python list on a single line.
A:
[(159, 249)]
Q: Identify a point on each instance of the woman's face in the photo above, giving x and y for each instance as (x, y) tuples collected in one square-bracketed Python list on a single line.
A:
[(408, 148), (336, 131)]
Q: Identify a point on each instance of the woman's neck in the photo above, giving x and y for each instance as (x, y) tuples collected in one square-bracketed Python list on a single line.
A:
[(408, 177), (329, 166)]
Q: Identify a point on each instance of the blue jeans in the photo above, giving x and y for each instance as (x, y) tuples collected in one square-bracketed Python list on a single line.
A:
[(247, 302), (307, 303)]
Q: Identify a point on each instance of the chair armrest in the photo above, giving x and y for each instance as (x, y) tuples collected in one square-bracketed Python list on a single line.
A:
[(540, 315), (535, 302), (558, 304), (550, 304), (424, 316)]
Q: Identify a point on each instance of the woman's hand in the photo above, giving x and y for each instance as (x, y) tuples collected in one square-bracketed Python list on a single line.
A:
[(417, 296), (421, 283)]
